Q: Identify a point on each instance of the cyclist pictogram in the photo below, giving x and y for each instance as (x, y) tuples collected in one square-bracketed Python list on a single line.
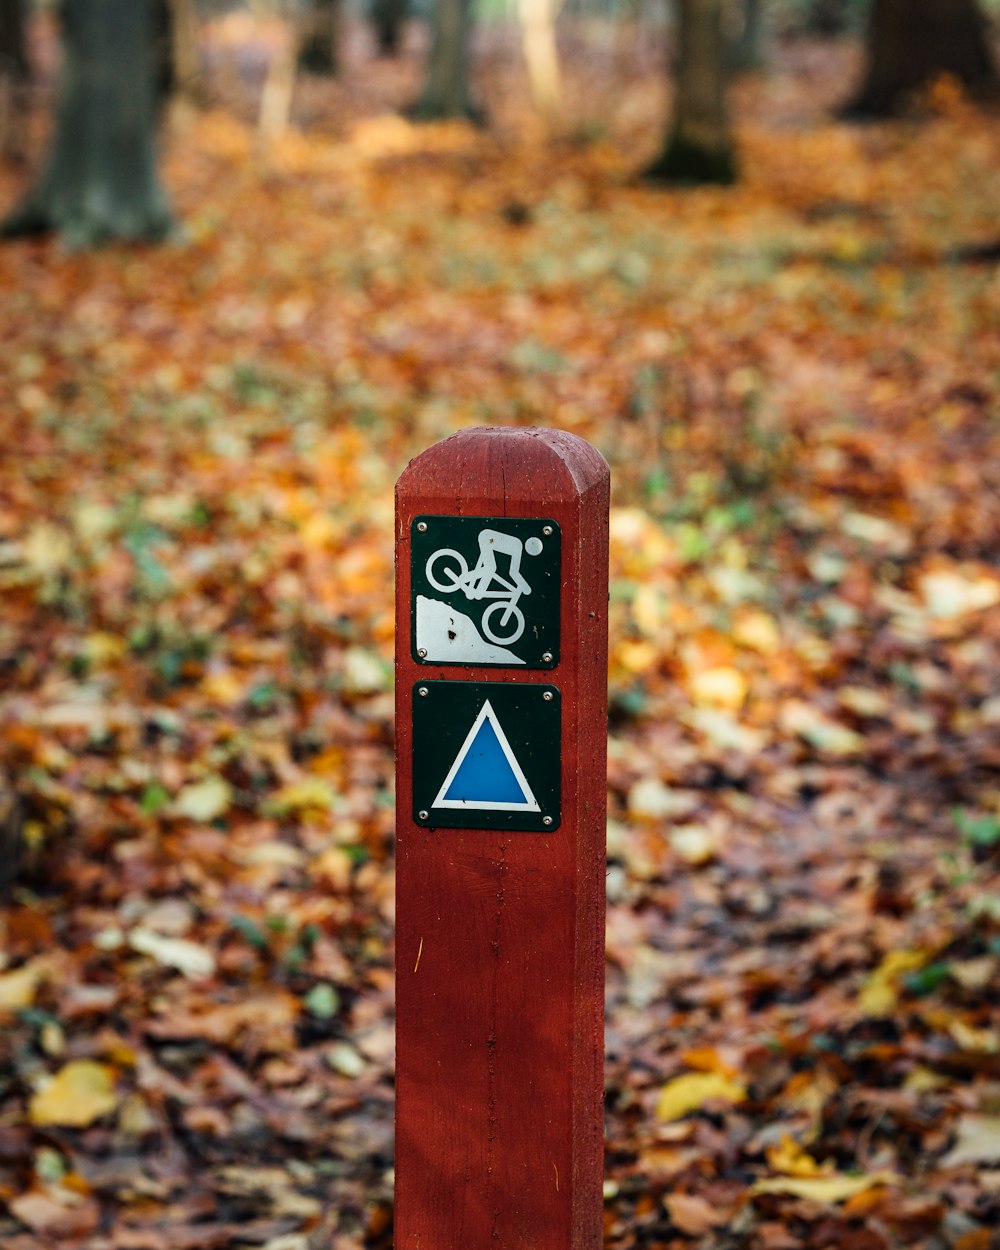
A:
[(503, 621), (486, 591)]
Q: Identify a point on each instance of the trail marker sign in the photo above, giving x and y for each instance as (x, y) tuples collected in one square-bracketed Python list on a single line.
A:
[(486, 755), (501, 792), (485, 591)]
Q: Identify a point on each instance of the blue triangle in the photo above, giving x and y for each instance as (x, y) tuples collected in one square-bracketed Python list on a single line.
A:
[(485, 774)]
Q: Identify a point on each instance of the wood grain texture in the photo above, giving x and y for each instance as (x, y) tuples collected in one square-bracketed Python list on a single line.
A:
[(500, 935)]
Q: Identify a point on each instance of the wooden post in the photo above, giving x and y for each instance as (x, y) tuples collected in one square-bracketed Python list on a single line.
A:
[(501, 722)]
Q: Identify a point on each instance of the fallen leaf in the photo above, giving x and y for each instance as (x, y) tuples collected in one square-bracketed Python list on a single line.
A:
[(693, 1090), (204, 800), (826, 1189), (977, 1141), (61, 1213), (81, 1092), (879, 996), (186, 956), (18, 988), (693, 1215)]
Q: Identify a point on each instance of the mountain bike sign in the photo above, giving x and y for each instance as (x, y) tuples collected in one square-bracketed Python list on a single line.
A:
[(485, 591)]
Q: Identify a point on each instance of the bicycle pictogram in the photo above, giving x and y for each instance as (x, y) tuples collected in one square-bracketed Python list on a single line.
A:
[(448, 570)]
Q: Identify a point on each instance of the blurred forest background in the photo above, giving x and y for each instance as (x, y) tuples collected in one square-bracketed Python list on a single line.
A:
[(749, 249)]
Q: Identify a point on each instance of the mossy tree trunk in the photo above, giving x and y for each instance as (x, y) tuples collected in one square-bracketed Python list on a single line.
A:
[(699, 143), (446, 87), (100, 181), (319, 49), (389, 19), (913, 42)]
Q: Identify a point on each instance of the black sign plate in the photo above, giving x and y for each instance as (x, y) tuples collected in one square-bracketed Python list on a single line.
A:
[(485, 591), (486, 755)]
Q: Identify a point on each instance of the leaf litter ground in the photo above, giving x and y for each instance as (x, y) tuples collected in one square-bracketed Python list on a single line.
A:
[(797, 392)]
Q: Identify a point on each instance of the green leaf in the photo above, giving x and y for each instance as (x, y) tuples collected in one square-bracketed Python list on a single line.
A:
[(978, 830), (153, 798), (926, 980), (322, 1001)]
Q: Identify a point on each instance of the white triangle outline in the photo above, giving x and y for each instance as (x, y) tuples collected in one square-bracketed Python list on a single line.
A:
[(481, 805)]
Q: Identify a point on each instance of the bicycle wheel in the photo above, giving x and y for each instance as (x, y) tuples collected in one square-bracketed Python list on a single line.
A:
[(504, 634), (451, 576)]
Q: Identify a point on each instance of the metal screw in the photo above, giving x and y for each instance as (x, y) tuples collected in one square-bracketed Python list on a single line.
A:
[(546, 820), (547, 696), (546, 530), (422, 691), (422, 815), (422, 652), (546, 657), (422, 527)]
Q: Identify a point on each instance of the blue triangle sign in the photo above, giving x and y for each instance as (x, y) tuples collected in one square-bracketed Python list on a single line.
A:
[(486, 775)]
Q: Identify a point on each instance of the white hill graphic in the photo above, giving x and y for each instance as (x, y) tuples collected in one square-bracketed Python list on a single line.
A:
[(449, 636)]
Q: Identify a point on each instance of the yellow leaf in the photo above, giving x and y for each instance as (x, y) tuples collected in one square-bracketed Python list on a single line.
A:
[(695, 844), (18, 988), (789, 1157), (758, 631), (693, 1090), (204, 800), (311, 793), (79, 1093), (723, 686), (835, 1188), (224, 686), (708, 1059), (880, 993), (971, 1039), (103, 648), (637, 656)]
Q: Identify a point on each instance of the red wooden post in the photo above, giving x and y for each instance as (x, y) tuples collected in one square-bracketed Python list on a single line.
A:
[(501, 716)]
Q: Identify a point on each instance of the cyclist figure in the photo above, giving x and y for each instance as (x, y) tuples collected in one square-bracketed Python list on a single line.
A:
[(490, 542)]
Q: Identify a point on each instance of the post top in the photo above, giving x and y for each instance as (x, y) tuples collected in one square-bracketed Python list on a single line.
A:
[(516, 464)]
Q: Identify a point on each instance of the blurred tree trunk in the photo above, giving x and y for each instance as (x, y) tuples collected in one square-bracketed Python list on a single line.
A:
[(185, 51), (538, 41), (446, 88), (746, 41), (699, 145), (319, 49), (827, 18), (10, 835), (15, 73), (389, 18), (912, 42), (100, 180)]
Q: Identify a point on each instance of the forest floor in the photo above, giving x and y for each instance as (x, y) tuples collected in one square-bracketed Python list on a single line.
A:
[(796, 385)]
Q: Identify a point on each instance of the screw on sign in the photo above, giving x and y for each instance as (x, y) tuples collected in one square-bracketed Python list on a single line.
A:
[(501, 714)]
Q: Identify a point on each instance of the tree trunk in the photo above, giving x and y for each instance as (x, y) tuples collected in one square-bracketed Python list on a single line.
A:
[(11, 847), (538, 41), (746, 41), (319, 50), (699, 146), (827, 18), (185, 51), (389, 18), (913, 42), (446, 88), (100, 181), (15, 72), (13, 46)]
